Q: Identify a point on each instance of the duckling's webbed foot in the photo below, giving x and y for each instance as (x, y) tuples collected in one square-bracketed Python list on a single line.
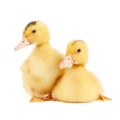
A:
[(103, 98), (49, 98), (36, 99)]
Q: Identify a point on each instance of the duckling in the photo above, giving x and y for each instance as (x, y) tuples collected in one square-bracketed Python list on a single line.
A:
[(41, 68), (77, 85)]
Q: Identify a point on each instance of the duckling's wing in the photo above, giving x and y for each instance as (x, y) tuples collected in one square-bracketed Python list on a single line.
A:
[(101, 97), (95, 82)]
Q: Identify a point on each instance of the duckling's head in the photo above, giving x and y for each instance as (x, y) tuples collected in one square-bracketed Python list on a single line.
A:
[(76, 54), (35, 32)]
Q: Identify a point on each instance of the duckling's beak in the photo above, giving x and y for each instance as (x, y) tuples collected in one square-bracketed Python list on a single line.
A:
[(67, 62), (23, 43)]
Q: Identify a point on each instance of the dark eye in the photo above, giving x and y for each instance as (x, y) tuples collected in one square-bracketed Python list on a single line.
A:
[(78, 50), (34, 31)]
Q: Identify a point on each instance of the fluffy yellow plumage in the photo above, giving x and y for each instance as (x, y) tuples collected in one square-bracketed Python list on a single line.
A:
[(77, 84), (41, 68)]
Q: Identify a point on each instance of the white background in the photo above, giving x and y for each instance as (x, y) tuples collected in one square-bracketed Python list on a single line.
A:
[(95, 21)]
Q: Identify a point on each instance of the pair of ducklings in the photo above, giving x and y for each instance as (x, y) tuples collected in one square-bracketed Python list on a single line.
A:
[(44, 76)]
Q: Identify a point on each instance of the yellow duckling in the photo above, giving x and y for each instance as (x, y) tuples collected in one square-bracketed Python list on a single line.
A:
[(41, 68), (77, 84)]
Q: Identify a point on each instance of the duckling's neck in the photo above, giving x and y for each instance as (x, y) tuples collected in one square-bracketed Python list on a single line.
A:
[(77, 65), (42, 44)]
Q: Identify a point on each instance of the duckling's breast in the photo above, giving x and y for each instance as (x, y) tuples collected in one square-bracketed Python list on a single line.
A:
[(43, 69)]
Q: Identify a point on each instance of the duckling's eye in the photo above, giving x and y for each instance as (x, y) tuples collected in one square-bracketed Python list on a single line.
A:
[(78, 50), (34, 31)]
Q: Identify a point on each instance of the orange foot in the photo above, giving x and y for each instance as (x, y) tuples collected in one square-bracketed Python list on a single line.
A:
[(103, 98), (48, 98), (36, 99)]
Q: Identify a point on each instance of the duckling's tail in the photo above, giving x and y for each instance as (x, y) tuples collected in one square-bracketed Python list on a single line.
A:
[(103, 98)]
